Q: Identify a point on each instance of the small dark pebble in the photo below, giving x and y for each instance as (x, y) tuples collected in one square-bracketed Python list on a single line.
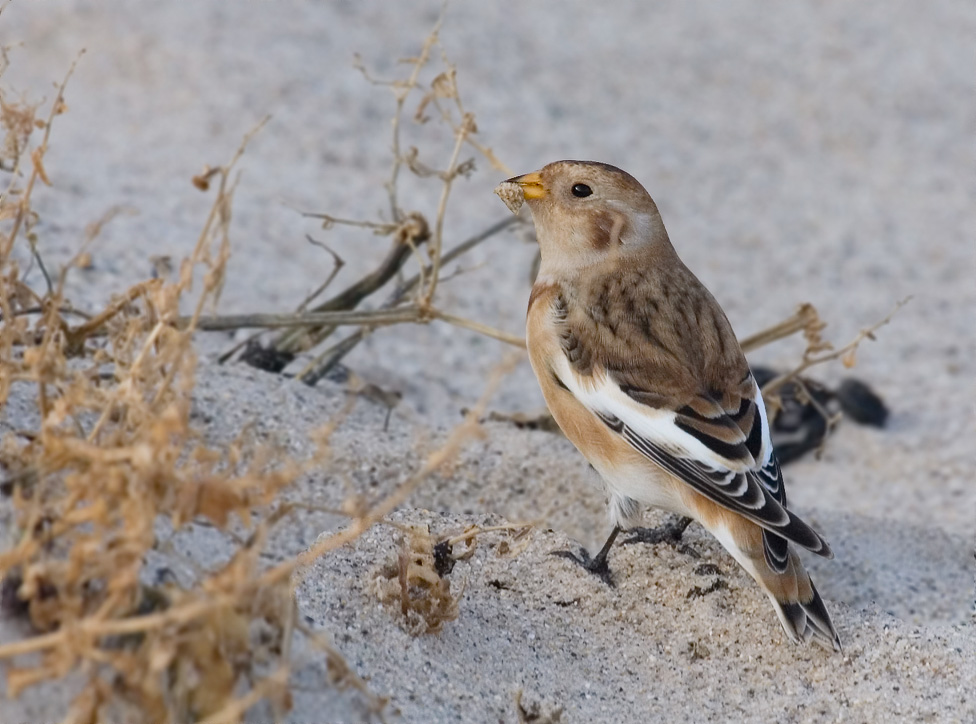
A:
[(10, 603), (268, 359), (443, 558), (708, 569), (862, 404), (698, 592)]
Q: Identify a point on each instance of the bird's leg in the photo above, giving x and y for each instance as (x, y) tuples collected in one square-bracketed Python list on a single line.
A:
[(597, 565), (670, 532)]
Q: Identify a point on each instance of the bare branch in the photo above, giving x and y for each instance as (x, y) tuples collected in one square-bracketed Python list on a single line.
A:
[(805, 314), (846, 353), (329, 221), (338, 263), (326, 361), (223, 323), (436, 243), (402, 91), (480, 328), (37, 157)]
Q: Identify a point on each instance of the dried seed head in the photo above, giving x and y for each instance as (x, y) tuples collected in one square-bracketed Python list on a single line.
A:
[(511, 194)]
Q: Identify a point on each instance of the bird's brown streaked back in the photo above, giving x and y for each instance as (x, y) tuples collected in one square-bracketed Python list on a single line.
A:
[(634, 323)]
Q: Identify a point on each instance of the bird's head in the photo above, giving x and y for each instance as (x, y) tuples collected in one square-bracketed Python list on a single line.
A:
[(586, 211)]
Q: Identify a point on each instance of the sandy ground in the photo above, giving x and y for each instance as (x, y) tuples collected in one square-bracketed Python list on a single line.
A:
[(811, 152)]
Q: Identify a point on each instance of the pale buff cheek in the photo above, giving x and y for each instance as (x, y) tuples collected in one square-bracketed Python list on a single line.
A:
[(568, 242)]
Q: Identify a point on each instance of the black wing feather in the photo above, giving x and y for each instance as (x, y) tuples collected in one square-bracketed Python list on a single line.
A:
[(776, 549)]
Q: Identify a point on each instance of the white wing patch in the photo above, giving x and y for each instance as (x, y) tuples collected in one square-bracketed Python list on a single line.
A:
[(603, 396), (767, 441)]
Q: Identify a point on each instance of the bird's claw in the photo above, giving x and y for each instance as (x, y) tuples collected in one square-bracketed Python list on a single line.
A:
[(597, 566)]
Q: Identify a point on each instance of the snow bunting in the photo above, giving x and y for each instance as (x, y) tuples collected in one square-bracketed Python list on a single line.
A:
[(641, 369)]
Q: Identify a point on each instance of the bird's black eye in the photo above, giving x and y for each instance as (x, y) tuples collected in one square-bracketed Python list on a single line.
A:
[(581, 190)]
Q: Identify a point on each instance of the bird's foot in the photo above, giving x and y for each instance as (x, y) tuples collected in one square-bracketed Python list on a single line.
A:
[(668, 533), (596, 565)]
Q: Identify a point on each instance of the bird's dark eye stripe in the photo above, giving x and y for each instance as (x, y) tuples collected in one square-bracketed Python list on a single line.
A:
[(581, 190)]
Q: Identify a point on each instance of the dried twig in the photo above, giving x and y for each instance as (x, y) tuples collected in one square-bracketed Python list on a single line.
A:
[(92, 629), (467, 126), (326, 361), (37, 171), (409, 230), (402, 92), (390, 312), (225, 322), (514, 340), (101, 484), (846, 353), (803, 317), (338, 263), (378, 317), (413, 227)]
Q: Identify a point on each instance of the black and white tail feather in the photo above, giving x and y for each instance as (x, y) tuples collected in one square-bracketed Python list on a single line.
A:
[(810, 621)]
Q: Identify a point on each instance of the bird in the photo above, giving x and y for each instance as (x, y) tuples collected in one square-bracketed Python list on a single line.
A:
[(642, 371)]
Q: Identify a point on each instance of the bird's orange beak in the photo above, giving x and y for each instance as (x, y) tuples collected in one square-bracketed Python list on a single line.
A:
[(531, 183)]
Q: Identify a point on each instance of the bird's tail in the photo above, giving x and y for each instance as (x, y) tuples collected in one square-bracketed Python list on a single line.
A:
[(795, 598), (788, 585), (799, 606)]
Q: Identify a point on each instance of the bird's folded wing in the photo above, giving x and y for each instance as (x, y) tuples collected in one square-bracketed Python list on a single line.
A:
[(724, 455)]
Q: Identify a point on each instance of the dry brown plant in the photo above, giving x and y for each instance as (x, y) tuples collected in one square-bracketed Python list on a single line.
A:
[(417, 585), (114, 453)]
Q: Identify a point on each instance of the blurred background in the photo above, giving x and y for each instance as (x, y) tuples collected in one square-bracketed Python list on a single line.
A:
[(805, 152)]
